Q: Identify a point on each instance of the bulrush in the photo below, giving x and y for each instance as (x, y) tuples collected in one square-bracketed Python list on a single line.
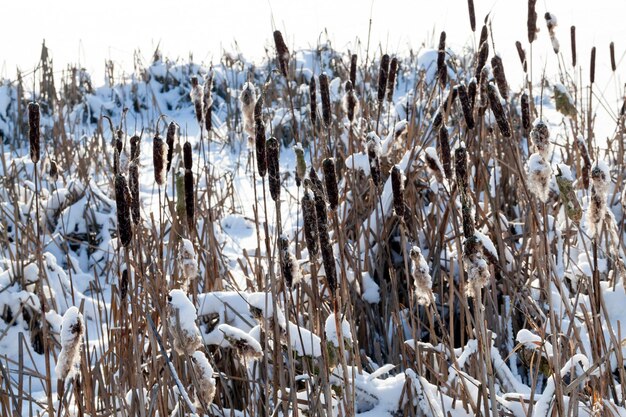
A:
[(353, 64), (421, 277), (316, 184), (159, 159), (383, 74), (586, 161), (54, 170), (531, 23), (190, 202), (475, 265), (540, 136), (273, 167), (187, 157), (261, 152), (208, 101), (525, 105), (330, 179), (397, 187), (309, 218), (288, 263), (471, 91), (572, 32), (483, 51), (472, 14), (189, 261), (247, 98), (612, 53), (282, 52), (466, 105), (170, 138), (300, 164), (592, 66), (442, 69), (498, 110), (328, 258), (135, 149), (391, 82), (460, 167), (539, 173), (122, 200), (197, 98), (313, 101), (522, 55), (325, 96), (373, 154), (34, 132), (444, 151), (500, 77), (600, 179), (350, 103), (72, 330), (133, 186)]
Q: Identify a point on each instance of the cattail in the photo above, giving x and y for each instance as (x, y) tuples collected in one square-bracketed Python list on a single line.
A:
[(261, 152), (421, 277), (54, 170), (383, 75), (572, 32), (134, 147), (600, 178), (34, 132), (208, 102), (172, 133), (133, 187), (373, 154), (316, 183), (476, 266), (330, 178), (313, 101), (353, 63), (460, 167), (325, 96), (182, 318), (498, 110), (498, 72), (444, 107), (159, 159), (471, 91), (540, 136), (72, 330), (551, 22), (483, 51), (288, 263), (350, 102), (525, 105), (442, 69), (531, 23), (467, 216), (247, 98), (187, 158), (444, 151), (584, 154), (522, 55), (466, 106), (122, 200), (433, 163), (190, 203), (565, 181), (592, 71), (328, 257), (208, 118), (124, 284), (205, 389), (539, 173), (197, 96), (397, 186), (189, 261), (484, 35), (612, 52), (309, 219), (472, 15), (300, 164), (282, 52), (116, 156), (273, 171), (391, 82)]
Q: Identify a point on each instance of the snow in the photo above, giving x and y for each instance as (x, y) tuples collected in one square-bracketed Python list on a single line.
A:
[(330, 328), (185, 310)]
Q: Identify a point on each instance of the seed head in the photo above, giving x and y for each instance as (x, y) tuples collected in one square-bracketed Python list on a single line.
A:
[(282, 52), (325, 95), (273, 170), (383, 74), (122, 200), (330, 178), (33, 131)]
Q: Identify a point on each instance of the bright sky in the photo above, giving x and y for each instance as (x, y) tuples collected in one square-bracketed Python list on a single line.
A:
[(89, 32)]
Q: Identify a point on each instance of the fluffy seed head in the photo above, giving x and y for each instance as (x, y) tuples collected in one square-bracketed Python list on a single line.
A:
[(540, 136), (373, 154), (300, 164), (197, 98), (72, 330), (421, 277), (288, 263), (539, 173), (205, 389), (182, 317), (247, 98)]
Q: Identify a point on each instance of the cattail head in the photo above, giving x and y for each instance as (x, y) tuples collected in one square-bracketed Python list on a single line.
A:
[(472, 14), (573, 44), (135, 149), (498, 110), (391, 82), (208, 86), (133, 187), (612, 52), (282, 52), (205, 388), (350, 102), (522, 55), (397, 186), (309, 218), (601, 177), (261, 152), (586, 161), (525, 105), (460, 167), (122, 200), (54, 170), (190, 200), (444, 151), (471, 91), (288, 263), (197, 98), (531, 23), (247, 98), (540, 136), (273, 167), (170, 138), (383, 74), (315, 183), (483, 51), (596, 213), (182, 318), (187, 158), (159, 159), (466, 105), (442, 69), (34, 133), (300, 164), (325, 96), (353, 64), (433, 163), (592, 66), (330, 178), (189, 261), (499, 75), (539, 173), (313, 101), (551, 24), (72, 330), (421, 277), (373, 154), (328, 257), (476, 266)]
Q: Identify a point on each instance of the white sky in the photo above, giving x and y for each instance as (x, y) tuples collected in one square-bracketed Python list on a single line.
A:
[(89, 32)]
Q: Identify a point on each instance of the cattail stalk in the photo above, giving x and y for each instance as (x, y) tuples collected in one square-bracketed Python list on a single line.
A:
[(353, 64), (466, 105), (472, 14), (572, 32), (172, 132)]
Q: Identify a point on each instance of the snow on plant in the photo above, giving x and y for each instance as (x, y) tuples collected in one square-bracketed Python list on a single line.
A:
[(72, 330), (182, 321)]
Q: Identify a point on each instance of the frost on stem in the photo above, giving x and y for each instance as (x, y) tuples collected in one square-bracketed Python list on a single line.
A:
[(189, 261), (205, 388), (72, 330), (475, 265), (182, 320), (421, 277), (247, 98), (600, 177), (539, 173)]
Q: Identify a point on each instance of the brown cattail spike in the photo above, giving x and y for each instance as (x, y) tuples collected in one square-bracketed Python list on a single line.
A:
[(391, 82), (159, 159), (313, 102), (350, 102), (328, 257), (472, 14), (133, 186), (471, 91), (187, 159), (54, 170), (444, 151), (208, 102), (172, 131), (261, 152), (353, 64), (397, 186), (573, 44), (466, 106), (483, 52), (282, 52), (197, 97), (525, 104), (612, 51), (309, 218), (442, 69), (316, 183), (531, 23), (592, 71), (373, 154), (383, 75), (190, 204), (34, 133), (498, 111), (325, 96), (460, 167), (330, 178), (498, 73), (122, 200), (134, 147), (522, 55), (273, 171)]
